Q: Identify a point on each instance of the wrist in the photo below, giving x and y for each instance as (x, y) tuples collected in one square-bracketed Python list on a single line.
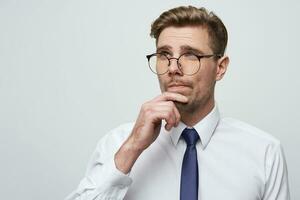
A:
[(127, 155)]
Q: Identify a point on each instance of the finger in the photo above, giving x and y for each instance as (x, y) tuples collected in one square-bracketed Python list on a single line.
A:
[(177, 114), (171, 96), (169, 109), (167, 115), (169, 105)]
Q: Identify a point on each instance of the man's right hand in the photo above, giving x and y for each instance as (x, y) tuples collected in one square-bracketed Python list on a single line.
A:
[(147, 128)]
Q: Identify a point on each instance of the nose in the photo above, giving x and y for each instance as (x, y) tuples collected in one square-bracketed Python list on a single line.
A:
[(174, 67)]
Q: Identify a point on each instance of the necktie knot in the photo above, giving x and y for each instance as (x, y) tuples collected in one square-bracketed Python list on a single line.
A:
[(190, 136)]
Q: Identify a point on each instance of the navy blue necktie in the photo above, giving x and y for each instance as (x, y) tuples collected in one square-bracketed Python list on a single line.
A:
[(189, 170)]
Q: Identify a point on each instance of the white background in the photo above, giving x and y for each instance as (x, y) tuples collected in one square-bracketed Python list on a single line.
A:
[(72, 70)]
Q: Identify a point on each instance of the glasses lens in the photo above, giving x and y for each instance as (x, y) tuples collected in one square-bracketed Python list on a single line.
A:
[(159, 63), (189, 64)]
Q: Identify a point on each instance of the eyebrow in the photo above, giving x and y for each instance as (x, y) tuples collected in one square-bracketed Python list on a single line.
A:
[(182, 49), (165, 47), (189, 48)]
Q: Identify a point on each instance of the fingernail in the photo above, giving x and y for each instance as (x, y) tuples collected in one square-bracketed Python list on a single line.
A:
[(168, 127)]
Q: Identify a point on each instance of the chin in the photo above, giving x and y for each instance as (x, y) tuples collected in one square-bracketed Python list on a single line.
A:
[(191, 106), (183, 107)]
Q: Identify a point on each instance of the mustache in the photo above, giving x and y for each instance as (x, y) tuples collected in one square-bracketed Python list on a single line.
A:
[(177, 81)]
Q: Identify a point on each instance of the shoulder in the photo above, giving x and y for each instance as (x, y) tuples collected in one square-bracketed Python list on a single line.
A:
[(247, 132), (250, 140)]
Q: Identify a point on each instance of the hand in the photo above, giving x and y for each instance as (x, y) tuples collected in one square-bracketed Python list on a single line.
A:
[(147, 127), (148, 123)]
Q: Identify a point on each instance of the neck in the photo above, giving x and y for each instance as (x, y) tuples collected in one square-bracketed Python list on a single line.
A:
[(190, 119)]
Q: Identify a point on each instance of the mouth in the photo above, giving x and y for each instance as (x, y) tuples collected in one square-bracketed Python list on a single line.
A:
[(178, 87)]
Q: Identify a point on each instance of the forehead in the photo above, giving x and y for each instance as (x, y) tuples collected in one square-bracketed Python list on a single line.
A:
[(194, 36)]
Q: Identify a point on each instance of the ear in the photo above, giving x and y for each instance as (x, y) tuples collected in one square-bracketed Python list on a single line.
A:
[(222, 67)]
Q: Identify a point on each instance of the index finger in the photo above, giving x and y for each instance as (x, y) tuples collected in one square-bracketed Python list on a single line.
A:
[(171, 96)]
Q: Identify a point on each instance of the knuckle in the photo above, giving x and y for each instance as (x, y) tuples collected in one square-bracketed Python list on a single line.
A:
[(146, 106), (150, 115), (143, 107), (170, 103), (169, 106), (169, 115), (165, 94), (148, 112), (179, 116)]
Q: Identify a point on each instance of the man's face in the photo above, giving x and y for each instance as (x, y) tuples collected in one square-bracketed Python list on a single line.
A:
[(198, 88)]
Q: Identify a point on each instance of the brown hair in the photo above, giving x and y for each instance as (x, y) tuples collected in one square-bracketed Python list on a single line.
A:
[(192, 16)]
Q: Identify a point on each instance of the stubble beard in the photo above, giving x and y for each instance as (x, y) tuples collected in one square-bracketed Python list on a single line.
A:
[(194, 105), (190, 107)]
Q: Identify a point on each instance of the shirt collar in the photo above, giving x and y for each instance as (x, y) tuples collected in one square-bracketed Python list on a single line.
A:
[(205, 127)]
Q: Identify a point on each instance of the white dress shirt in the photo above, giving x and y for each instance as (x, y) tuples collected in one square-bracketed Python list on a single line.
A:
[(236, 162)]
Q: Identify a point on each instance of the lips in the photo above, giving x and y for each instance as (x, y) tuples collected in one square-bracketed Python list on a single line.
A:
[(177, 87)]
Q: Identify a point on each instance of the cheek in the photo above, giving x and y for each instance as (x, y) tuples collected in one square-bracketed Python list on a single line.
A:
[(162, 84), (197, 88), (208, 76), (203, 84)]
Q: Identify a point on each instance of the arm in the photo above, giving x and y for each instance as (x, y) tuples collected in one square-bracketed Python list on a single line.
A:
[(276, 185), (108, 178), (147, 128), (102, 179)]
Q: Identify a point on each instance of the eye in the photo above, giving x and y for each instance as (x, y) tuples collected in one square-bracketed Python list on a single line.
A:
[(166, 53), (190, 56), (161, 56)]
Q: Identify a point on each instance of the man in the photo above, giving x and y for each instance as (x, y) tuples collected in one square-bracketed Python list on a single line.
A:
[(179, 147)]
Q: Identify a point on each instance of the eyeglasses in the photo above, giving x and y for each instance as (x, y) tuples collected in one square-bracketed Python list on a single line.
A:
[(188, 63)]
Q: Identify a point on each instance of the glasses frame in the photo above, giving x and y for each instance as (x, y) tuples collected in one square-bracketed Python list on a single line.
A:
[(177, 60)]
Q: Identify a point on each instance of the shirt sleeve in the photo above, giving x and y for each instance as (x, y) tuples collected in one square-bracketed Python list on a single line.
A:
[(102, 181), (276, 185)]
